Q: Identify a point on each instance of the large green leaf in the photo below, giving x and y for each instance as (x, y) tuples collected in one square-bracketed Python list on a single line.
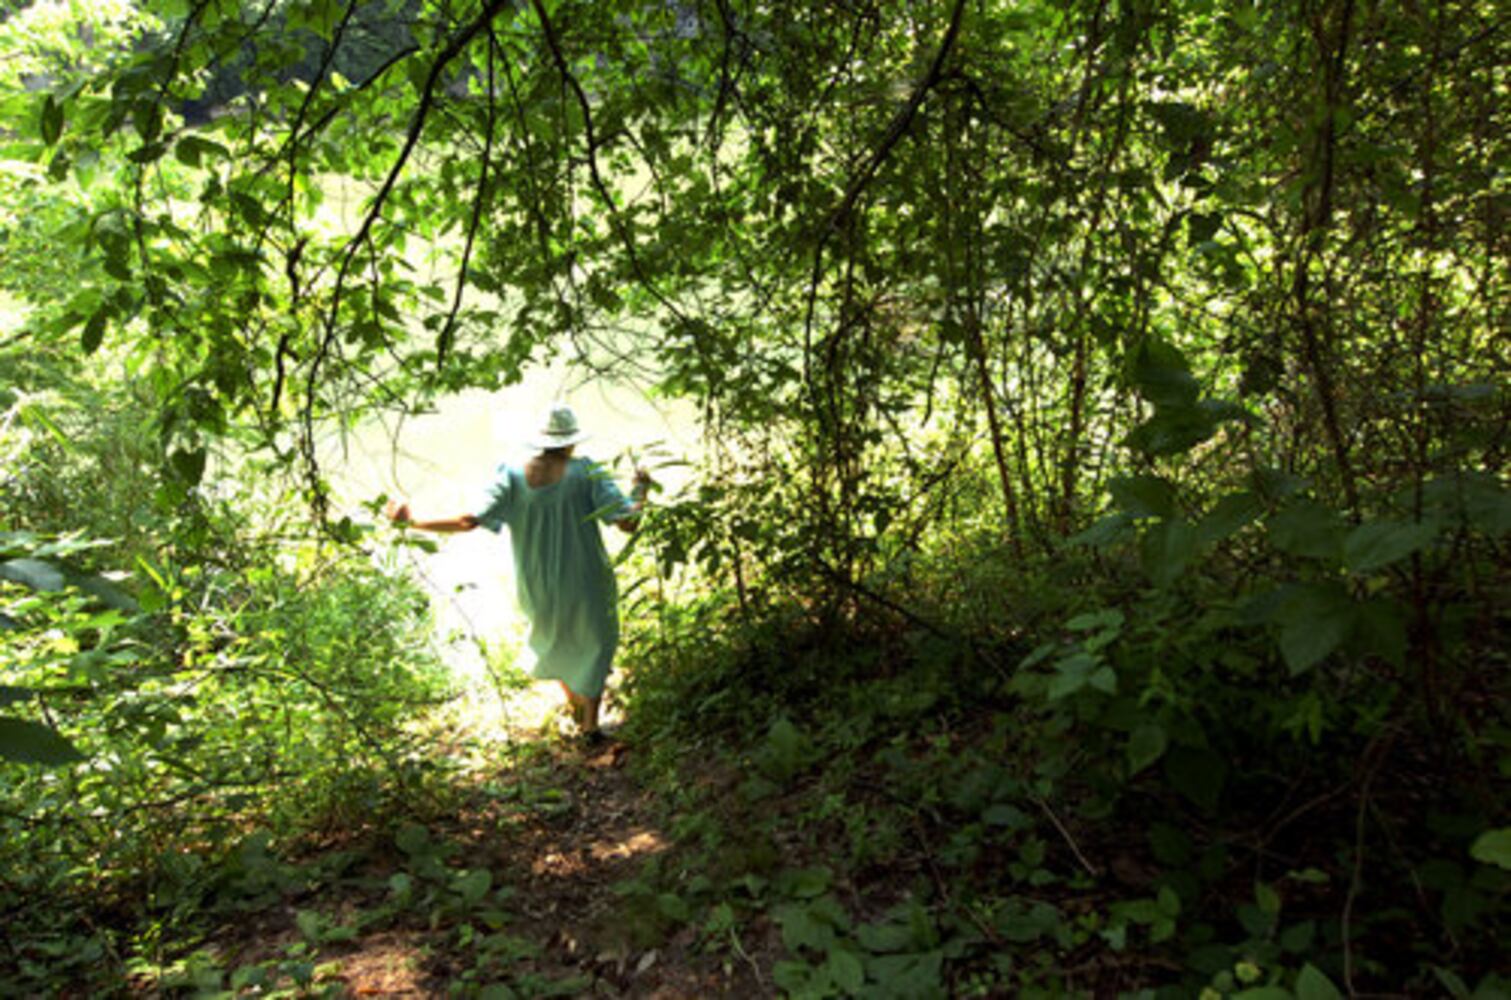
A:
[(1143, 496), (103, 590), (1160, 373), (1308, 529), (34, 573), (1227, 516), (1493, 847), (1314, 621), (1313, 984), (1172, 430), (33, 743), (1081, 670), (1104, 532), (1376, 544), (1166, 550)]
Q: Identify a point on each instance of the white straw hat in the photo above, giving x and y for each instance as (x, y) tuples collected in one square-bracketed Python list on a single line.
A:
[(560, 431)]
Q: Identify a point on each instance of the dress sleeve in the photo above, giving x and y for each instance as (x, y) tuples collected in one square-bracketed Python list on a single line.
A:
[(607, 502), (496, 504)]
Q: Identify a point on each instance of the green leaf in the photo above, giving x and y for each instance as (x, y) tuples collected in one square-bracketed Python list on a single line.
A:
[(802, 928), (1453, 983), (474, 885), (1493, 847), (413, 839), (1143, 496), (34, 573), (189, 466), (1166, 549), (845, 970), (1313, 984), (192, 149), (1160, 373), (884, 938), (1376, 544), (52, 120), (792, 976), (1172, 430), (1007, 815), (147, 152), (787, 750), (1105, 618), (32, 743), (805, 883), (673, 907), (310, 924), (1145, 746), (1077, 671), (1314, 621), (1308, 529), (94, 332), (1230, 514), (1102, 533)]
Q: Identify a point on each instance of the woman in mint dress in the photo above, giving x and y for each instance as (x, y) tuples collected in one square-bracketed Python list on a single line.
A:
[(553, 507)]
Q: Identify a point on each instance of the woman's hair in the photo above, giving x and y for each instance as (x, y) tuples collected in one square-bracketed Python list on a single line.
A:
[(563, 451)]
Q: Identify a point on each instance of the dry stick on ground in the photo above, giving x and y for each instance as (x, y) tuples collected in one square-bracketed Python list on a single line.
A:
[(1071, 841)]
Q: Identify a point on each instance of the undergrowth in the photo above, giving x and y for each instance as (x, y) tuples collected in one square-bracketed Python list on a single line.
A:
[(1132, 797)]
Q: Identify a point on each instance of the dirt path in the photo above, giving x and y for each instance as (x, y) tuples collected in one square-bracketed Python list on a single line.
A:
[(562, 834)]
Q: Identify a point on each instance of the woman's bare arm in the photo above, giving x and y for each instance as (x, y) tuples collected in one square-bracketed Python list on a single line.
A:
[(399, 513)]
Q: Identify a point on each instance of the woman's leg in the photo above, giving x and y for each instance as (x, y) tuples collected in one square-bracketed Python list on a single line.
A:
[(574, 703), (584, 710)]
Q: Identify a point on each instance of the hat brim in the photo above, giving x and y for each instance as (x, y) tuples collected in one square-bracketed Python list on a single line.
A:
[(545, 442)]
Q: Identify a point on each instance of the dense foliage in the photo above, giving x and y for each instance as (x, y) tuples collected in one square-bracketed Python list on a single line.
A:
[(1104, 509)]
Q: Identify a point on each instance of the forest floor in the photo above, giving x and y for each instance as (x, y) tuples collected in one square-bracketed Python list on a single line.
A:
[(562, 831)]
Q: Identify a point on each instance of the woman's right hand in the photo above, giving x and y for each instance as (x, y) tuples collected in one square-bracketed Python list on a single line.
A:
[(398, 512)]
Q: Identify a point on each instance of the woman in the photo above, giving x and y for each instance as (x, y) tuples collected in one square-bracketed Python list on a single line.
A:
[(553, 506)]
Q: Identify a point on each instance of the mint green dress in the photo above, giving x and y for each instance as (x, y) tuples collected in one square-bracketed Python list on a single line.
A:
[(561, 569)]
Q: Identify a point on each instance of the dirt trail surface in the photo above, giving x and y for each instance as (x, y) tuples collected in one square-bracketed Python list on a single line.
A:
[(561, 834)]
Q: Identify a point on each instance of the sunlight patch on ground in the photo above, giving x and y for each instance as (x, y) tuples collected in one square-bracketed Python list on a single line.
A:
[(520, 709), (644, 841), (641, 841)]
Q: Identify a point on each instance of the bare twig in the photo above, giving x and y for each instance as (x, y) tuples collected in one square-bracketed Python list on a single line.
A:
[(895, 131), (443, 339), (1071, 841), (592, 142)]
